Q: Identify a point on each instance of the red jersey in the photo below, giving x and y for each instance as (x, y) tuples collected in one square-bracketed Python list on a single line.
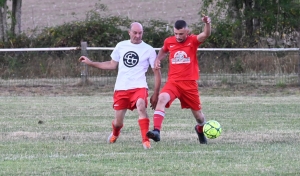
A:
[(183, 62)]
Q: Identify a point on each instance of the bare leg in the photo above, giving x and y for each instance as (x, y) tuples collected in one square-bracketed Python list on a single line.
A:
[(119, 117), (163, 99), (158, 116), (141, 108), (200, 118)]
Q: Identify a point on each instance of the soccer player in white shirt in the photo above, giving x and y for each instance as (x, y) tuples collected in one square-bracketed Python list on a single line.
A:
[(132, 58)]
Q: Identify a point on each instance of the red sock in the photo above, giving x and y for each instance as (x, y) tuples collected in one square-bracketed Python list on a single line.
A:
[(200, 128), (144, 127), (158, 118), (116, 130)]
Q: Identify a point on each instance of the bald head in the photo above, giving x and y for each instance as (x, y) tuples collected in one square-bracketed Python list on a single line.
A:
[(136, 25), (136, 32)]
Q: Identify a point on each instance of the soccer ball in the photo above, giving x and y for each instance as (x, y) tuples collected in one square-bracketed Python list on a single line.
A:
[(212, 129)]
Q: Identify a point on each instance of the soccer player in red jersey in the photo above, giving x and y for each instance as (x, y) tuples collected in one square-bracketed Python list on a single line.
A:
[(182, 76)]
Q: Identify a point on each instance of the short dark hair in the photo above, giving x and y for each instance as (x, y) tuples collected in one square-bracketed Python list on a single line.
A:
[(179, 24)]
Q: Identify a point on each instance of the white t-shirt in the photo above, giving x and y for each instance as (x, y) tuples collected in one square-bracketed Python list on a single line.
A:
[(134, 61)]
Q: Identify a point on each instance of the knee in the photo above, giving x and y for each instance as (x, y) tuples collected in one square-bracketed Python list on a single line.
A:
[(141, 105), (163, 98)]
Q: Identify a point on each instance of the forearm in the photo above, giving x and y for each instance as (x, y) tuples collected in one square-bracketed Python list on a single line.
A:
[(157, 81), (207, 29), (107, 65), (161, 54)]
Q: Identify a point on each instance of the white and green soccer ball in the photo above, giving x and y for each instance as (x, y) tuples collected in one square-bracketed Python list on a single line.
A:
[(212, 129)]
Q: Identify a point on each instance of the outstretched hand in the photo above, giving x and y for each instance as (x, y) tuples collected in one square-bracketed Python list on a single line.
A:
[(84, 59)]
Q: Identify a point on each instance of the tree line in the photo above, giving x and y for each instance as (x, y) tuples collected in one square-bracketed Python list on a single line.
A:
[(245, 23), (14, 15), (236, 23)]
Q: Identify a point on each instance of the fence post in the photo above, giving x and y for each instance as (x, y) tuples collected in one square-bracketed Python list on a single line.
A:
[(84, 67), (299, 66), (299, 57)]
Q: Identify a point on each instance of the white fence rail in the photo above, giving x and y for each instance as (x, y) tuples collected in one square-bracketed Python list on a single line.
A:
[(84, 48), (111, 48)]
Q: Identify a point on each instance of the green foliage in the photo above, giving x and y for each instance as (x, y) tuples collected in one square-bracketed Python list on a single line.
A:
[(281, 16), (98, 32), (13, 63), (19, 41), (281, 84), (223, 36), (237, 66), (155, 33), (95, 30), (255, 18), (230, 26), (104, 32), (2, 3)]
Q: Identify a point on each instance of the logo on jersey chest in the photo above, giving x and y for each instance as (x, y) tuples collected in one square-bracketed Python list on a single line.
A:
[(131, 59), (180, 57)]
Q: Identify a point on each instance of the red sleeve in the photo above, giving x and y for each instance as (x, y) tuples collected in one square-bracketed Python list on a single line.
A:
[(196, 41), (166, 45)]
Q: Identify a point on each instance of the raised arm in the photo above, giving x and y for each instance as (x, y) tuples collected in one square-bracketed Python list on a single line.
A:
[(107, 65), (207, 29)]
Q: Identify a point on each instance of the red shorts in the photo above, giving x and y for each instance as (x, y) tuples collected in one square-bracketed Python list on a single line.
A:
[(186, 91), (126, 99)]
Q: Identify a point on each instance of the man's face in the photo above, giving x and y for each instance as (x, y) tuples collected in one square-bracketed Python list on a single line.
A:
[(136, 34), (181, 34)]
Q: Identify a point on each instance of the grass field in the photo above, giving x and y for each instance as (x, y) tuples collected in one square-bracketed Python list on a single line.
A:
[(66, 135)]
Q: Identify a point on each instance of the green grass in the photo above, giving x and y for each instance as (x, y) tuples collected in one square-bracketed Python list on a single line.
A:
[(67, 136)]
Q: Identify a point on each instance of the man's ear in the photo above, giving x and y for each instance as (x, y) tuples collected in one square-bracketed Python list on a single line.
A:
[(188, 31)]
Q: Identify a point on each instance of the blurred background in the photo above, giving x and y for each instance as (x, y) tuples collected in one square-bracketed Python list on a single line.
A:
[(102, 24)]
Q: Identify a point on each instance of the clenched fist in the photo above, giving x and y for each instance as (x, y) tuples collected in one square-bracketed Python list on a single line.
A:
[(206, 19)]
